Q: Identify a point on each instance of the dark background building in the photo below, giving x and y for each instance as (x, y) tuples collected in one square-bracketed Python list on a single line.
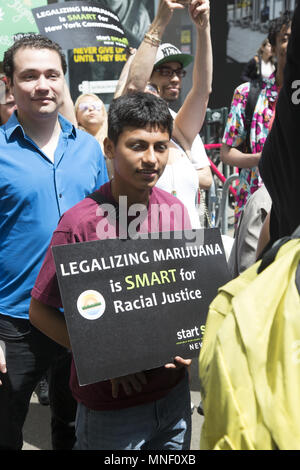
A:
[(238, 28)]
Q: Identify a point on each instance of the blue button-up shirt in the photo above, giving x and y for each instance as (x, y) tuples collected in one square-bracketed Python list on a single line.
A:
[(34, 193)]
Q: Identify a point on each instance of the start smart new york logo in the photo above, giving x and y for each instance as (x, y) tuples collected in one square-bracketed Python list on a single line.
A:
[(91, 304)]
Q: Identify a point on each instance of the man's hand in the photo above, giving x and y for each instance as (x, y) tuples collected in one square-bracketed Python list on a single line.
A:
[(178, 363), (130, 383), (199, 11), (2, 359), (129, 52)]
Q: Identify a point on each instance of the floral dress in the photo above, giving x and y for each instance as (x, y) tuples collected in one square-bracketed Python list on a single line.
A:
[(235, 133)]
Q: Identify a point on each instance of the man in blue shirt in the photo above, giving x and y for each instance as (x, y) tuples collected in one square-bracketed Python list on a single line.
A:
[(46, 167)]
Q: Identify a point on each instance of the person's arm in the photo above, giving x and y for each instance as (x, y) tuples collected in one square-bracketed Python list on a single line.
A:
[(44, 310), (235, 133), (49, 321), (135, 382), (124, 74), (143, 62), (2, 359), (234, 157), (201, 163), (191, 115), (264, 236), (67, 107), (205, 177)]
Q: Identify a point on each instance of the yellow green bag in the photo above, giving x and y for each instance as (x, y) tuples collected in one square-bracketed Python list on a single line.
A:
[(249, 364)]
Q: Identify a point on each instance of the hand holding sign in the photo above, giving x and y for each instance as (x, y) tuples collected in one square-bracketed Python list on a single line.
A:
[(136, 381), (178, 363), (129, 383)]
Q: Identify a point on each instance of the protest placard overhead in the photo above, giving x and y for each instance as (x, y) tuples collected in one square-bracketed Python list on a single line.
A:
[(80, 24)]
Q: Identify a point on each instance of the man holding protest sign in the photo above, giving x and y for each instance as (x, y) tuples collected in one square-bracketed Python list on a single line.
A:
[(123, 411)]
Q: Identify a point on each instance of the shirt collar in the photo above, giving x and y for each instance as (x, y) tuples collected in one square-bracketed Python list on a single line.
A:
[(66, 126), (11, 126)]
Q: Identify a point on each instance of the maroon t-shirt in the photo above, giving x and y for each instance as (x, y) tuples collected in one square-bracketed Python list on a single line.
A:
[(79, 224)]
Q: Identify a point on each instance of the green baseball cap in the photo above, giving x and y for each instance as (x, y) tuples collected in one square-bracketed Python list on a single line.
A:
[(169, 53)]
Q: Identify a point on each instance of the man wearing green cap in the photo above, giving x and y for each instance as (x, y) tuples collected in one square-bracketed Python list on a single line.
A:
[(167, 75), (168, 71)]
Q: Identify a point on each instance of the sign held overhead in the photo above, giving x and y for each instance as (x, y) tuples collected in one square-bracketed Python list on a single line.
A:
[(80, 24)]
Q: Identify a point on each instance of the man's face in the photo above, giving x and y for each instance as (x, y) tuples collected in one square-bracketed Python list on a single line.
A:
[(282, 41), (38, 82), (139, 158), (169, 86)]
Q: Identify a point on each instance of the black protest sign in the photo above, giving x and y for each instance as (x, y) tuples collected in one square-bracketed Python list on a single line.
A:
[(80, 24), (133, 305)]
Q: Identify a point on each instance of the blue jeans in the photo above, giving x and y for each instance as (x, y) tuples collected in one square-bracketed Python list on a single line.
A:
[(164, 424)]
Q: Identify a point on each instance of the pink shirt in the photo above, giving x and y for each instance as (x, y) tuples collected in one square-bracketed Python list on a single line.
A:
[(79, 224)]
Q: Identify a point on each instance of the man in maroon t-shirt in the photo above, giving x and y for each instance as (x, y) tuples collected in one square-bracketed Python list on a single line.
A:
[(150, 409)]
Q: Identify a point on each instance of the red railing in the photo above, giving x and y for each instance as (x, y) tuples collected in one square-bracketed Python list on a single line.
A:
[(220, 175)]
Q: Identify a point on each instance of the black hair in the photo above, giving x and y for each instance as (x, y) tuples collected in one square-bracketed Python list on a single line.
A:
[(277, 24), (34, 41), (138, 110)]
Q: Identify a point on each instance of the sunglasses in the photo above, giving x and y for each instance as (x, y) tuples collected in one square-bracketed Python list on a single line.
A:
[(168, 72), (94, 106)]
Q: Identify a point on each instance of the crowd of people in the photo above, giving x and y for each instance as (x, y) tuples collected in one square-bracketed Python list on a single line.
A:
[(60, 160)]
